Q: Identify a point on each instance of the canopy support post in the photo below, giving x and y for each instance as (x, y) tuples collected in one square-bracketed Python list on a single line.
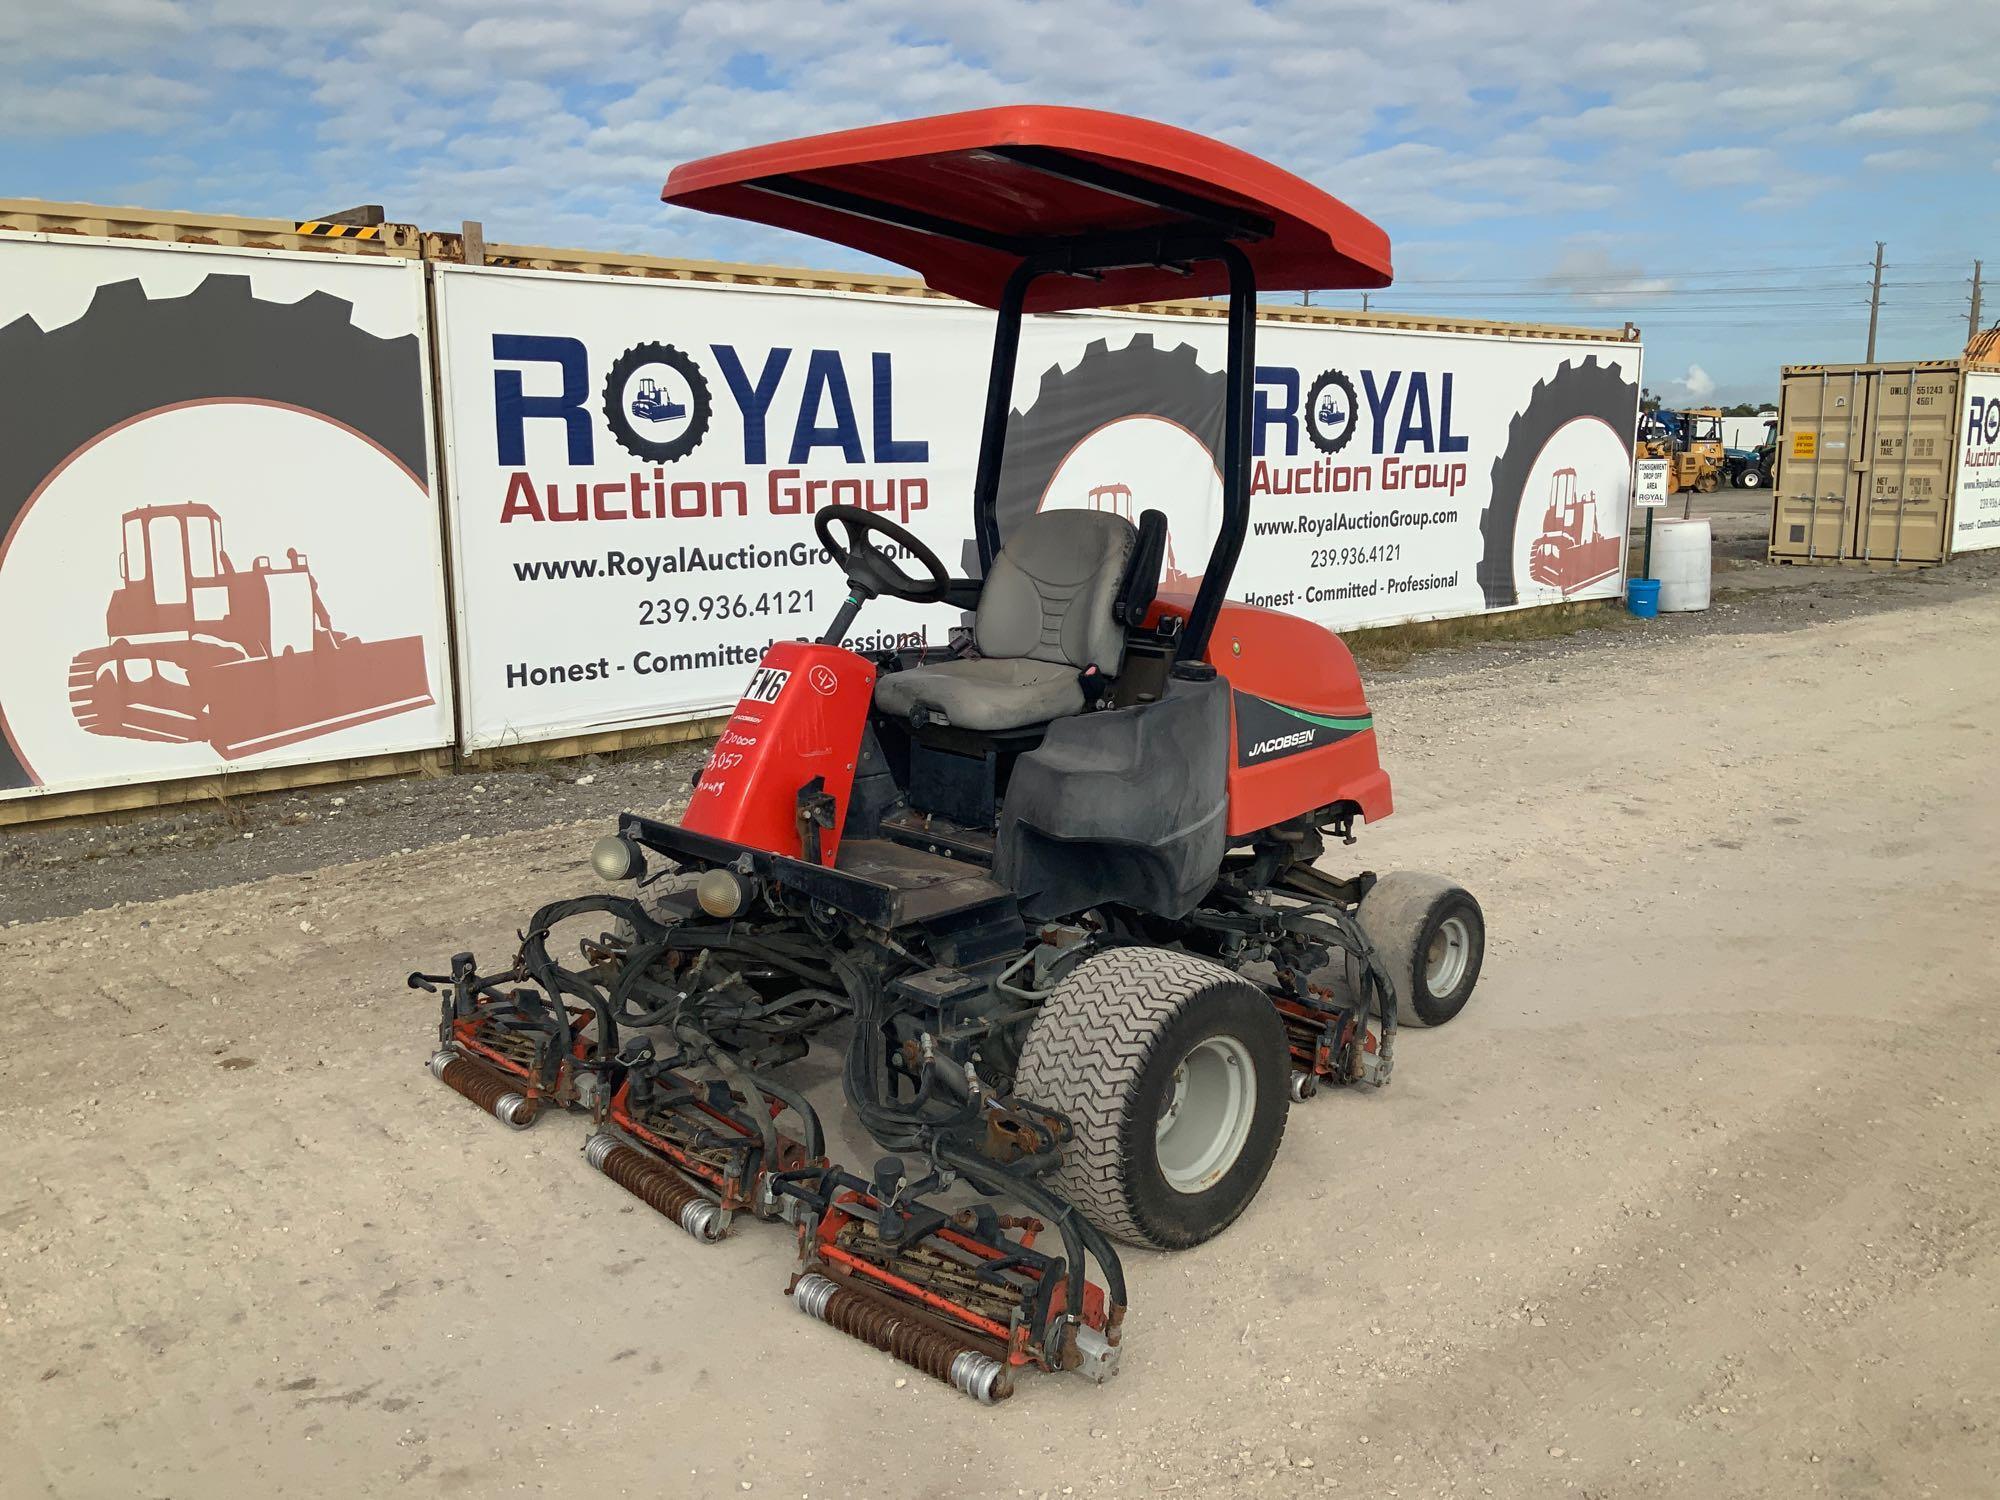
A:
[(993, 430), (1241, 382)]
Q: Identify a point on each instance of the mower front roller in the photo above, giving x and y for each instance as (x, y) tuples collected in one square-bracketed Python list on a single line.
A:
[(492, 1091), (697, 1152), (964, 1296), (510, 1051), (656, 1186), (893, 1329)]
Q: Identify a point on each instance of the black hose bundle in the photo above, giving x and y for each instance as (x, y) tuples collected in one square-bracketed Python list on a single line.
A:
[(652, 940)]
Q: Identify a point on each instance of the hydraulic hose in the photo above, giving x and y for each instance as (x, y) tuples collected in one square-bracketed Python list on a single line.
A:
[(736, 1073), (815, 1139), (1078, 1233)]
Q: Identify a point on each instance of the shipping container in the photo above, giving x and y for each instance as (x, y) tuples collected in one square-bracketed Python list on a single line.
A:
[(171, 227), (1867, 459), (451, 248)]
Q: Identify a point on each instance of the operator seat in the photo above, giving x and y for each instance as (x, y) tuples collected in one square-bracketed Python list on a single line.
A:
[(1055, 603)]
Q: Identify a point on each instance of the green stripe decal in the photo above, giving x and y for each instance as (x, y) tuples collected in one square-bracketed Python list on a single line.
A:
[(1353, 726)]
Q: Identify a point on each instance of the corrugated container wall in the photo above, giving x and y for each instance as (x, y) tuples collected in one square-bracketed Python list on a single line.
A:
[(1865, 463)]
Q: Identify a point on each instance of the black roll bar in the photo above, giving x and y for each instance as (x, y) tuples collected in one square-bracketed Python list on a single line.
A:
[(1239, 381), (1238, 385), (993, 428)]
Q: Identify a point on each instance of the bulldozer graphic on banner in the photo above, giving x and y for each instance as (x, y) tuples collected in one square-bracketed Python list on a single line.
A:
[(244, 659), (1573, 549), (651, 404)]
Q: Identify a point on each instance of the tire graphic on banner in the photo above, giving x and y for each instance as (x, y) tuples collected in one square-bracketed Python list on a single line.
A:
[(683, 397), (1332, 411), (1586, 392), (245, 659), (1108, 386)]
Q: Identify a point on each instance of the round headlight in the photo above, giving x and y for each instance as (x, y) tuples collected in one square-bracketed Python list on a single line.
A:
[(720, 893), (615, 858)]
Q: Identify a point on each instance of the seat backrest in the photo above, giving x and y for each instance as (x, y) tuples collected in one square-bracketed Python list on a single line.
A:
[(1051, 593)]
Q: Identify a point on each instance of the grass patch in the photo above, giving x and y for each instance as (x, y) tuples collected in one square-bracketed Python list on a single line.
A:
[(1389, 646)]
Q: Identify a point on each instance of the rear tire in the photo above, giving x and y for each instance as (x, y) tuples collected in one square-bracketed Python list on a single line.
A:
[(1174, 1073), (1431, 936)]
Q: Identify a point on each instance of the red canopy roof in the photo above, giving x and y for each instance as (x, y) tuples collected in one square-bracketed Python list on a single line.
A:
[(962, 199)]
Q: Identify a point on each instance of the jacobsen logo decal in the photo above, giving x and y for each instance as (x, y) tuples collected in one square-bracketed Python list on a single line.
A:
[(765, 685), (1280, 742), (1267, 731)]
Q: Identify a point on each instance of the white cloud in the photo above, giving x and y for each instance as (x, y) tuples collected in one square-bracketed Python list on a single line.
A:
[(1723, 166), (95, 103), (1697, 383), (1916, 119), (1902, 159), (1595, 278)]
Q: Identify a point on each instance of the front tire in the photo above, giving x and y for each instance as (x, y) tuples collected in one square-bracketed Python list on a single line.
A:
[(1174, 1074), (1431, 936)]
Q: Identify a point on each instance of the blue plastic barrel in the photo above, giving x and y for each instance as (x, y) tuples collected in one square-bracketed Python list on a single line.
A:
[(1642, 597)]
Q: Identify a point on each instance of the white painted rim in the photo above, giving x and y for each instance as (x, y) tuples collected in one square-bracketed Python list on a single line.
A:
[(1449, 953), (1206, 1118)]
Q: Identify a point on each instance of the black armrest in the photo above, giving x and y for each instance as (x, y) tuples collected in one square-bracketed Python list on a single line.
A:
[(963, 593), (1136, 590)]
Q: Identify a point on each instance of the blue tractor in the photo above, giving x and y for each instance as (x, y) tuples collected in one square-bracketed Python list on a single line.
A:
[(1750, 468)]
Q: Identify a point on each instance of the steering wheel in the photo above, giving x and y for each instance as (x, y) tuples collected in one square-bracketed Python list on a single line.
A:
[(869, 569)]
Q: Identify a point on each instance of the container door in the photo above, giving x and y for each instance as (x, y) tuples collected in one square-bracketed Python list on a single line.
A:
[(1906, 481), (1821, 418)]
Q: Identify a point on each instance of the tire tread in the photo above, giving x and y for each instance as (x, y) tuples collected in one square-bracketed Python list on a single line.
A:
[(1085, 1054)]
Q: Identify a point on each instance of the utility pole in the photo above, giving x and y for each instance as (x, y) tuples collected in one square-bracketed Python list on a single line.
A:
[(1875, 302), (1972, 322), (1364, 302)]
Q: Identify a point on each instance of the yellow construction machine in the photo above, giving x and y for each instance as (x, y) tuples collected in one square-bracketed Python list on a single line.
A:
[(1691, 442)]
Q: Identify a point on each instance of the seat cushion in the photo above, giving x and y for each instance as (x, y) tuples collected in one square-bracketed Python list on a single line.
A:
[(983, 693)]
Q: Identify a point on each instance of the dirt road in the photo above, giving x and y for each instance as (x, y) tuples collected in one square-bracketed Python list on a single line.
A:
[(1699, 1198)]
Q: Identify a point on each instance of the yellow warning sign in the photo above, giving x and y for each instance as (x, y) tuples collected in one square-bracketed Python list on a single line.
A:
[(1805, 444)]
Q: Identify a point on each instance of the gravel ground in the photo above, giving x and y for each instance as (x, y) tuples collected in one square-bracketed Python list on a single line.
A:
[(1698, 1198)]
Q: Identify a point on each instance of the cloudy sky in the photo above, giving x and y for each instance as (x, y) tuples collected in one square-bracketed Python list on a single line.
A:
[(1714, 171)]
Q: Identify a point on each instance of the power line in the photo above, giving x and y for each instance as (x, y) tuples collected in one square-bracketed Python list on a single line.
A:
[(1556, 294), (1619, 276), (1786, 270)]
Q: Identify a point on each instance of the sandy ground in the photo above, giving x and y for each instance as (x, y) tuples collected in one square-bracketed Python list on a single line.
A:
[(1699, 1197)]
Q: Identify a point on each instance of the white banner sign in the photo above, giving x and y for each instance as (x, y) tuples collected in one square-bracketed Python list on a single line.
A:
[(1651, 491), (1975, 523), (220, 543), (635, 467)]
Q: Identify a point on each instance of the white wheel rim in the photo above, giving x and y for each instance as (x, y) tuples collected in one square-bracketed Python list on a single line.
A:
[(1445, 960), (1206, 1118)]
